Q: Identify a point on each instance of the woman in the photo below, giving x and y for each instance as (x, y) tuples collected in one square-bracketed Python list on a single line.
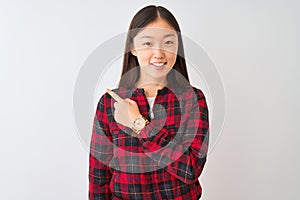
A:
[(150, 135)]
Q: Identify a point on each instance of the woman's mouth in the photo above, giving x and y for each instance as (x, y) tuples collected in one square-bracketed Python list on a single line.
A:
[(159, 65)]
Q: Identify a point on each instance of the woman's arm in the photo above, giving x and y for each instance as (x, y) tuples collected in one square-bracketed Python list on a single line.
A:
[(189, 152), (101, 152)]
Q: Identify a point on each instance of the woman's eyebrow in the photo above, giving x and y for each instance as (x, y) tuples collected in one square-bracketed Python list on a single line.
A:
[(168, 35)]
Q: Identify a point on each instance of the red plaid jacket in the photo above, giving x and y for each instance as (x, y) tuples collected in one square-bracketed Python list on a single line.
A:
[(164, 161)]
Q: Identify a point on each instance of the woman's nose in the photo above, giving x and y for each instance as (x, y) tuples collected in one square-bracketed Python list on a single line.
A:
[(158, 52)]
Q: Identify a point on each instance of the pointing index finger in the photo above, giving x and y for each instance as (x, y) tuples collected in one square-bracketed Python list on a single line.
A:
[(114, 95)]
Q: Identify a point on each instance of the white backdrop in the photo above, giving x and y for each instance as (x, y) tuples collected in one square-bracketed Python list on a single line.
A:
[(254, 45)]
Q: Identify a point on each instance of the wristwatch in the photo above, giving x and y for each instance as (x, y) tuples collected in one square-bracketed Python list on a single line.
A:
[(138, 124)]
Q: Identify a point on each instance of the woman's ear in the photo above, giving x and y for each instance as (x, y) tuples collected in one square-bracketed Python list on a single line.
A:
[(132, 50)]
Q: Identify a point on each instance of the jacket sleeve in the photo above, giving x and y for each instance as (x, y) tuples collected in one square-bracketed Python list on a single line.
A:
[(101, 152), (183, 157)]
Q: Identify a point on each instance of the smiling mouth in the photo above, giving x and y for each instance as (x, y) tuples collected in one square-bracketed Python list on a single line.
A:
[(158, 64)]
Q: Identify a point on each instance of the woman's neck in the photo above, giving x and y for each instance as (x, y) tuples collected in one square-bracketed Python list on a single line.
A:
[(151, 89)]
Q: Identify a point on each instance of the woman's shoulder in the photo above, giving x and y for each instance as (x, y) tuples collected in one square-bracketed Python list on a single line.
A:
[(193, 92), (198, 92), (190, 92)]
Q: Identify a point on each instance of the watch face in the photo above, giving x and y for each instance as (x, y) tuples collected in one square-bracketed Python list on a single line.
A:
[(139, 123)]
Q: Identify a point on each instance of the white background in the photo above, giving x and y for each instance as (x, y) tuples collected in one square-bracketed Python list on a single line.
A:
[(254, 45)]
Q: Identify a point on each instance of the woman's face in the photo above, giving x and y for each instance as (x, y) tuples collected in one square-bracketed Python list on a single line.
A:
[(155, 47)]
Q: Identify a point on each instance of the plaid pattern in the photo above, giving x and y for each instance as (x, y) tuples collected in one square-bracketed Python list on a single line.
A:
[(164, 161)]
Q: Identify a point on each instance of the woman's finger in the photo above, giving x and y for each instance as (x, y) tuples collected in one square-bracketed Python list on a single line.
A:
[(115, 104), (114, 95)]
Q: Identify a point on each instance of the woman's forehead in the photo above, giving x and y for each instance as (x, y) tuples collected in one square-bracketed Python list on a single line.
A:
[(156, 33)]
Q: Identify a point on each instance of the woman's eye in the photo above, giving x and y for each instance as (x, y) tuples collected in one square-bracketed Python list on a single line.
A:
[(169, 42), (147, 43)]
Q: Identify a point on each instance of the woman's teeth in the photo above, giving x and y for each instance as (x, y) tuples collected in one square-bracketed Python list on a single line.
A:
[(158, 64)]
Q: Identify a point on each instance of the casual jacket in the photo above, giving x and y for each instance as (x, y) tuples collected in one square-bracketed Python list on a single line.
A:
[(164, 161)]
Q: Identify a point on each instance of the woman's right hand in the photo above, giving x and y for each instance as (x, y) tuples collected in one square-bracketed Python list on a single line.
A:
[(126, 110)]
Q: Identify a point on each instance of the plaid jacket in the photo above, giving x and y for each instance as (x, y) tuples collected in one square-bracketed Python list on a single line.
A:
[(164, 161)]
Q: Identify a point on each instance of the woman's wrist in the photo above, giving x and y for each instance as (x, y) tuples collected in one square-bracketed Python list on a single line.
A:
[(138, 124)]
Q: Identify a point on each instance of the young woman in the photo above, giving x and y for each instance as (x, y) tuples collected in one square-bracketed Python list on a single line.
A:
[(150, 135)]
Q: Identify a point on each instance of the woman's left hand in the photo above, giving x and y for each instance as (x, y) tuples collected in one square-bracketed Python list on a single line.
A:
[(126, 110)]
